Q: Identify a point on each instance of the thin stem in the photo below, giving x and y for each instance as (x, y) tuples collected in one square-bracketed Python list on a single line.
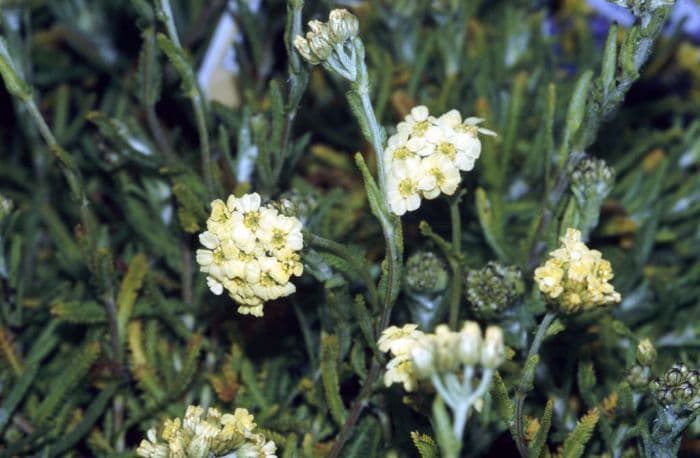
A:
[(521, 392), (197, 104), (456, 288), (393, 239)]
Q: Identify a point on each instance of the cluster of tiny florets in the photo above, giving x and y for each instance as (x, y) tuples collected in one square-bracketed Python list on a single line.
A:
[(679, 388), (200, 435), (491, 289), (426, 273), (576, 277), (251, 251), (323, 37), (425, 156), (418, 356)]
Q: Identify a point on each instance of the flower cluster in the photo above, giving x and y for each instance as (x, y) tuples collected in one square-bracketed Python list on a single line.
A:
[(425, 156), (426, 273), (200, 436), (679, 388), (491, 289), (419, 356), (324, 37), (251, 251), (576, 277)]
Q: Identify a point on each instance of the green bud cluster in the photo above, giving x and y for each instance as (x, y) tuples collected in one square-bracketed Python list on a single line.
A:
[(493, 288), (678, 388), (592, 178), (426, 273)]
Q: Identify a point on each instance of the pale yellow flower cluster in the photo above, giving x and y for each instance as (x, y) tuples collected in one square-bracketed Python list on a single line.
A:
[(419, 355), (576, 277), (251, 251), (425, 156), (200, 436)]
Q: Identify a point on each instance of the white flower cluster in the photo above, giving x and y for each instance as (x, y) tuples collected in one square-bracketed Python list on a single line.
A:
[(251, 251), (425, 156), (200, 435), (419, 356)]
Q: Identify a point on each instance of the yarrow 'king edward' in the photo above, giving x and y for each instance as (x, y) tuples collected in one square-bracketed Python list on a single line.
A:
[(251, 251), (425, 156)]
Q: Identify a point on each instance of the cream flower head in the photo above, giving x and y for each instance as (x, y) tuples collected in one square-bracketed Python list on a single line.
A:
[(575, 277), (425, 156), (250, 251)]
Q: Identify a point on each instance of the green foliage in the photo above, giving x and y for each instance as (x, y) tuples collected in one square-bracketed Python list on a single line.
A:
[(111, 153), (576, 441)]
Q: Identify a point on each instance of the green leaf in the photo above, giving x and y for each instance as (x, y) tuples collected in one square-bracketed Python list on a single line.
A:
[(443, 429), (574, 115), (129, 290), (365, 440), (181, 62), (576, 441), (489, 224), (14, 83), (502, 402), (81, 360), (427, 448), (149, 78), (555, 328), (364, 319), (609, 65), (586, 382), (330, 353), (357, 108), (528, 373), (540, 439), (374, 196)]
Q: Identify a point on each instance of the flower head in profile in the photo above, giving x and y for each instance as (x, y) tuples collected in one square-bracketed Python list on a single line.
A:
[(250, 251), (201, 434), (575, 277), (424, 158)]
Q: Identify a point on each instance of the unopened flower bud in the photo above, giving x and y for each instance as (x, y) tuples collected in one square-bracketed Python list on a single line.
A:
[(302, 46), (426, 273), (646, 353), (423, 358), (320, 43), (639, 376), (342, 25), (470, 343), (674, 376), (493, 288), (447, 343), (493, 350), (693, 378), (592, 177)]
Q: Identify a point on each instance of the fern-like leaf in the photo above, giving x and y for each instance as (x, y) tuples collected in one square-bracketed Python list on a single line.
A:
[(576, 441)]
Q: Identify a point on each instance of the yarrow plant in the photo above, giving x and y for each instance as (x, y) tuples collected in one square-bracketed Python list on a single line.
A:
[(251, 251), (426, 154), (126, 267), (201, 434)]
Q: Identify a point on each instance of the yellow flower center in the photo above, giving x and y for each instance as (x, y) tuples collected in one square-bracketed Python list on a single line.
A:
[(407, 187), (251, 220), (279, 239), (448, 149), (218, 256), (401, 153), (439, 176), (420, 127)]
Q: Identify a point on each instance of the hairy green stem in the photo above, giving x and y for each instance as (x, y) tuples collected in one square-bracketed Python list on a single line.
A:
[(523, 386)]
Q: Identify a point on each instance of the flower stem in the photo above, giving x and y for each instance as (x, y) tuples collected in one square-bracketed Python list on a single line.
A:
[(456, 264), (523, 386)]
